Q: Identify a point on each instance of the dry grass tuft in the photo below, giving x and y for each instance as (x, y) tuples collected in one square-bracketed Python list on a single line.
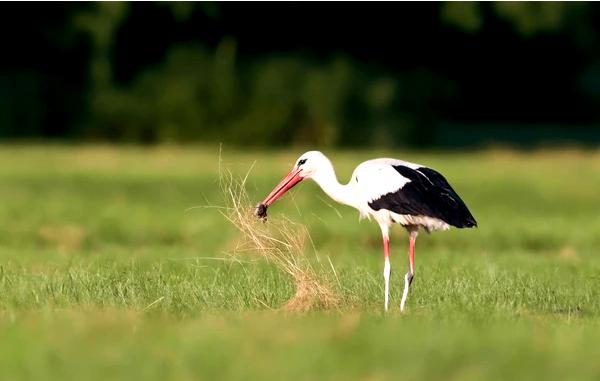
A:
[(281, 242)]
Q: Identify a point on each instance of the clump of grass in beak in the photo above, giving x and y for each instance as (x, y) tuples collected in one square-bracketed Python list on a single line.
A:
[(280, 242)]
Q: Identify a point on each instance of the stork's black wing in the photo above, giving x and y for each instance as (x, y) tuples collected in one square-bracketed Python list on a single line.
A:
[(426, 194)]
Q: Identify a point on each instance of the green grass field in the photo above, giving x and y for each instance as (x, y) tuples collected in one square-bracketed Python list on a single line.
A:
[(107, 274)]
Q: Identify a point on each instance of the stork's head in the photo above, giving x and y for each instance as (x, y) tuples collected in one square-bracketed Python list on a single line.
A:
[(309, 165)]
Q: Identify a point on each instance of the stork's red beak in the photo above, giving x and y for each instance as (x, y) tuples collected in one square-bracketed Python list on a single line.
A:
[(284, 185)]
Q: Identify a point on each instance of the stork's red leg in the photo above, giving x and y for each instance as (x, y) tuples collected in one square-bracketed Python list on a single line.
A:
[(386, 264), (411, 254), (408, 278)]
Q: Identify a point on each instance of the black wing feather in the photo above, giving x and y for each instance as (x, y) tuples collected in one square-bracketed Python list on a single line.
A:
[(427, 194)]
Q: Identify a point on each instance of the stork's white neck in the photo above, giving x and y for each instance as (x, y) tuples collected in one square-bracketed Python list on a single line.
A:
[(327, 180)]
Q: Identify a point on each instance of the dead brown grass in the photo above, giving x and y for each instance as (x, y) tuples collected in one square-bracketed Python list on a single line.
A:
[(281, 242)]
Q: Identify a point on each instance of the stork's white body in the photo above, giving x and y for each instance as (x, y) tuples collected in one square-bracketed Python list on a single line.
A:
[(391, 192), (380, 179)]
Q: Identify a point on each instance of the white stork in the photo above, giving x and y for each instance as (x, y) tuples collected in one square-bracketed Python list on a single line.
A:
[(389, 190)]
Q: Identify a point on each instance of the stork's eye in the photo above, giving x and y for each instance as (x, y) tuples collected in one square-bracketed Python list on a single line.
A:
[(300, 162)]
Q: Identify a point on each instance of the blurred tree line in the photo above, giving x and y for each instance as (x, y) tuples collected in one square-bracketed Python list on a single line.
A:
[(325, 74)]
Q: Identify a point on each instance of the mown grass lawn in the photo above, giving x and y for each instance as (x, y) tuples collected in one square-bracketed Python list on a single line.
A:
[(106, 272)]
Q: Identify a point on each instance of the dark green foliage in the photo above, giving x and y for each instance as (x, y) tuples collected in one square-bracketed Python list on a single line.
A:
[(436, 74)]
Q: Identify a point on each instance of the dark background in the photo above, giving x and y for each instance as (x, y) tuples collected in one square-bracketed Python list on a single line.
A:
[(384, 74)]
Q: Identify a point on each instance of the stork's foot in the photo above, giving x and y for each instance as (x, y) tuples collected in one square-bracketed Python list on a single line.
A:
[(408, 278)]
